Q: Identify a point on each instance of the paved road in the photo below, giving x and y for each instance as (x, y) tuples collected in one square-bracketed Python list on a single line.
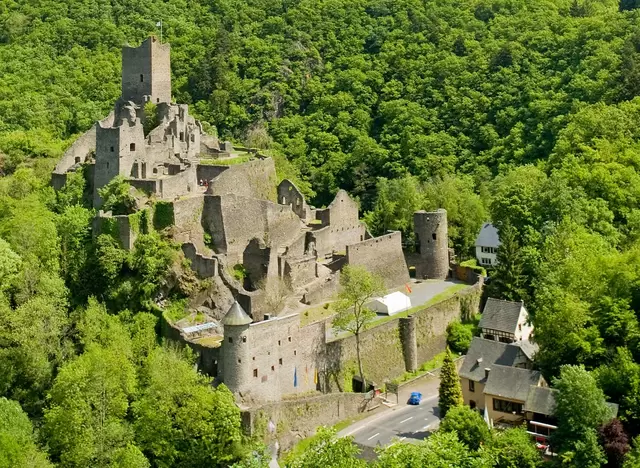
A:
[(408, 423), (424, 291)]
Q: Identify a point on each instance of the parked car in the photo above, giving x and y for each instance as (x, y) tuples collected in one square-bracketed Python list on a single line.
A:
[(415, 398)]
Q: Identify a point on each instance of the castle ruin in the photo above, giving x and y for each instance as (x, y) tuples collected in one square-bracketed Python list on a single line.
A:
[(240, 218)]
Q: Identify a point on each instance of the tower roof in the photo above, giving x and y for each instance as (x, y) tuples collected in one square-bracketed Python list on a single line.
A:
[(236, 316)]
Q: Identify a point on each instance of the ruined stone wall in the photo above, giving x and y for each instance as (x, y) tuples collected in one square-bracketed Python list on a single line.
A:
[(187, 214), (148, 186), (78, 151), (120, 227), (278, 358), (209, 172), (181, 184), (381, 256), (204, 266), (300, 417), (300, 271), (234, 221), (161, 71), (289, 194), (253, 179), (322, 289)]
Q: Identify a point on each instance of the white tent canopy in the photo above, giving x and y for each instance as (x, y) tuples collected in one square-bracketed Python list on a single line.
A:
[(391, 303)]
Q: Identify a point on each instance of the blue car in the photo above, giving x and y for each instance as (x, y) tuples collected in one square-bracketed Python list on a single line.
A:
[(415, 398)]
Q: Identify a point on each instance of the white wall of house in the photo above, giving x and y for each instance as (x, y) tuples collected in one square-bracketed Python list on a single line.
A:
[(486, 255), (524, 330)]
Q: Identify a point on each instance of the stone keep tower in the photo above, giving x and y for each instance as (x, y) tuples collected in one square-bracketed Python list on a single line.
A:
[(431, 232), (235, 349), (146, 72)]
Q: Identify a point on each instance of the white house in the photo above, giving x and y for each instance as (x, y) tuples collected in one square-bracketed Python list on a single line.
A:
[(487, 244)]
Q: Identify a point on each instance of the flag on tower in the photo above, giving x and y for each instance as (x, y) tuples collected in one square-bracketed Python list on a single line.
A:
[(408, 288), (158, 24)]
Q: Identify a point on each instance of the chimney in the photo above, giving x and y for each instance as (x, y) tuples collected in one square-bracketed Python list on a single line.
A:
[(486, 372)]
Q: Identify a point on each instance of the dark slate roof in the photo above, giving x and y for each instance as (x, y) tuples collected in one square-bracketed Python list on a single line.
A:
[(541, 400), (500, 315), (528, 348), (490, 352), (488, 236), (511, 382), (236, 316)]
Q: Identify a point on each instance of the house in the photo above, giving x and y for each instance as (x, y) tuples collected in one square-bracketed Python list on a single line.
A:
[(505, 321), (487, 244), (483, 356)]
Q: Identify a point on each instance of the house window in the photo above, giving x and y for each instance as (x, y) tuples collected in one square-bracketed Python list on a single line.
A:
[(132, 147), (472, 386), (472, 404), (280, 361), (488, 337), (485, 261), (230, 340), (141, 78), (255, 372), (519, 327), (504, 339), (505, 406), (112, 149), (244, 339)]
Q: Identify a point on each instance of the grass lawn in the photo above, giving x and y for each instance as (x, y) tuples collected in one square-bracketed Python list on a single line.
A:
[(315, 313), (213, 341), (428, 366), (239, 159)]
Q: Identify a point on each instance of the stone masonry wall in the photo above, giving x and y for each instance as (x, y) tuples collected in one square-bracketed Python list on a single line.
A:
[(301, 417), (382, 256), (253, 179), (383, 352)]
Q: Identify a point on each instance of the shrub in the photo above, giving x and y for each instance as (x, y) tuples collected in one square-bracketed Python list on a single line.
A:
[(459, 336)]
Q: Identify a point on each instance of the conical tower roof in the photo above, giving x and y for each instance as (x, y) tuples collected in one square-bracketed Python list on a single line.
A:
[(236, 316)]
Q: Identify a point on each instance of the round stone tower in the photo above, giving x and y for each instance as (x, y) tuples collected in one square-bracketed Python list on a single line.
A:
[(236, 367), (433, 242)]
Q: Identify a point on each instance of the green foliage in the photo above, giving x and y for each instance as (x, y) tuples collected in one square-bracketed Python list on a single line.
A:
[(162, 215), (580, 409), (89, 401), (17, 441), (239, 272), (116, 197), (328, 450), (449, 391), (72, 193), (439, 450), (180, 420), (459, 336), (512, 448), (150, 117), (468, 424)]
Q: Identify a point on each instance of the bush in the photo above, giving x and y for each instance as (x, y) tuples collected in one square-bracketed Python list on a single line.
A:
[(459, 336)]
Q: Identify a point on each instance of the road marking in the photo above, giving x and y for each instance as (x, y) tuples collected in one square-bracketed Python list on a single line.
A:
[(374, 435), (405, 420)]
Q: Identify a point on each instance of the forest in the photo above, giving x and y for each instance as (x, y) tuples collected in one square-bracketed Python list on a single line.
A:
[(522, 112)]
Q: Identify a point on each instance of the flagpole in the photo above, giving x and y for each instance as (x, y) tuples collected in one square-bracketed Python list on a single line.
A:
[(160, 31)]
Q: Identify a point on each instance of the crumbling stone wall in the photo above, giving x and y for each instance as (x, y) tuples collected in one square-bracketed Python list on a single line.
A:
[(187, 215), (300, 271), (340, 226), (301, 417), (204, 266), (253, 179), (181, 184), (322, 289), (119, 226), (233, 221), (382, 256), (289, 194)]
